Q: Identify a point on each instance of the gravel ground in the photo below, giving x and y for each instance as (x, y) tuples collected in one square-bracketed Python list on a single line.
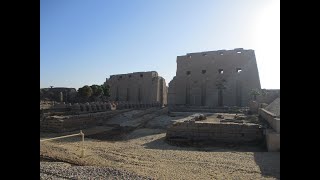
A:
[(145, 153), (60, 170)]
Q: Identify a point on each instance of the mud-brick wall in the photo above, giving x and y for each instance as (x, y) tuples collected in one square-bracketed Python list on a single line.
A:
[(210, 132)]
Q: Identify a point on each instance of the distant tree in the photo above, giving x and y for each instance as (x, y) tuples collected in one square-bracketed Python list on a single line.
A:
[(97, 90), (85, 92), (106, 90)]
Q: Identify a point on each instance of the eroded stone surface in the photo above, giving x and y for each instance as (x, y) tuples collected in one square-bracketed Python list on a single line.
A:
[(138, 87), (214, 78)]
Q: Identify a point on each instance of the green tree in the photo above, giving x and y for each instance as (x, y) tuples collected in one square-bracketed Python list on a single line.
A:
[(97, 90), (85, 91), (106, 90)]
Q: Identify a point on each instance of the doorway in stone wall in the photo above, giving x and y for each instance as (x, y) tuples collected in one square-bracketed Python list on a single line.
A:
[(196, 100), (203, 94), (188, 93), (139, 94), (238, 94)]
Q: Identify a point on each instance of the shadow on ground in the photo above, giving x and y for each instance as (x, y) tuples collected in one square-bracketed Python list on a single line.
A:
[(164, 145), (115, 132), (269, 163), (153, 126)]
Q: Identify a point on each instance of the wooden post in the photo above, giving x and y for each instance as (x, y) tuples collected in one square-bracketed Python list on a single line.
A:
[(82, 144)]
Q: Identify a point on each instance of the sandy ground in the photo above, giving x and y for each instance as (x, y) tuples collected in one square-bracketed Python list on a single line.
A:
[(145, 153)]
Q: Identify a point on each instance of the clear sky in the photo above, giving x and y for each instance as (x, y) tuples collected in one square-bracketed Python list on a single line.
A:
[(83, 42)]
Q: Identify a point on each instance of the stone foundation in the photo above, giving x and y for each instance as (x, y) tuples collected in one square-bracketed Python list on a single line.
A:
[(197, 131), (272, 119), (184, 108), (75, 122), (273, 140)]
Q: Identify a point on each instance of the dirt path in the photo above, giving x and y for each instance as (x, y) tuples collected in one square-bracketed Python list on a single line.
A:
[(144, 152)]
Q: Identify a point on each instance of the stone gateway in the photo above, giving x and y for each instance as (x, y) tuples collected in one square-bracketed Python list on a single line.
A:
[(214, 79), (138, 87)]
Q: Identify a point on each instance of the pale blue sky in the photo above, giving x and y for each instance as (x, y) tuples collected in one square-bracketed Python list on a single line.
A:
[(83, 42)]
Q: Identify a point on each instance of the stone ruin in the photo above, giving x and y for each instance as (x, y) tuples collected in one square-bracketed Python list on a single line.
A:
[(63, 117), (218, 82), (138, 88), (211, 82), (271, 114), (90, 107), (60, 94), (65, 123), (214, 79), (268, 95), (195, 131)]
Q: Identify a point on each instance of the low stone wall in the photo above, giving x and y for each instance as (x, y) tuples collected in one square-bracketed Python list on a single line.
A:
[(142, 120), (90, 107), (174, 114), (273, 140), (75, 122), (147, 111), (181, 108), (128, 105), (272, 135), (46, 104), (271, 118), (196, 131), (271, 95)]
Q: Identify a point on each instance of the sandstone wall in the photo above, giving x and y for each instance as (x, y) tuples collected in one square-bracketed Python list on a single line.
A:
[(215, 132), (138, 87), (200, 76), (273, 140), (272, 119), (272, 135), (83, 108), (271, 95), (75, 122)]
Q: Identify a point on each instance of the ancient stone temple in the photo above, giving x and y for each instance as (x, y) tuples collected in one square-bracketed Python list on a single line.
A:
[(214, 79), (138, 87)]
